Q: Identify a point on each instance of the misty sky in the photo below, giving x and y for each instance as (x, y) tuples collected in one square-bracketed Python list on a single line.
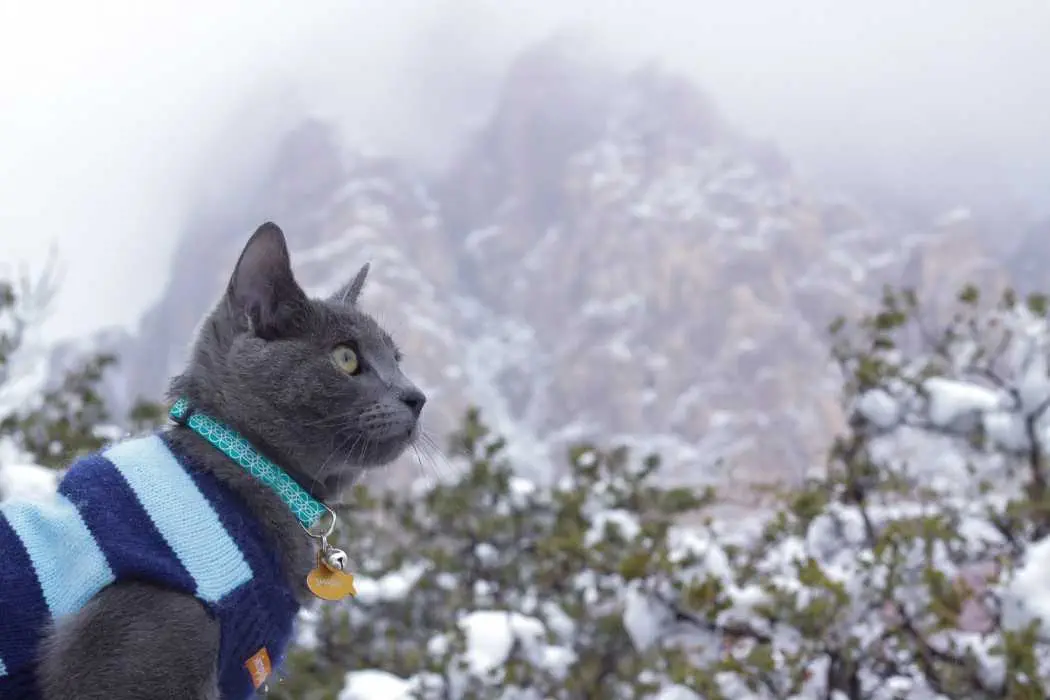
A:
[(114, 115)]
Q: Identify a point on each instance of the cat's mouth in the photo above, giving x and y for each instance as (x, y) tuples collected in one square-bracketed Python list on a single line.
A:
[(392, 444), (405, 440)]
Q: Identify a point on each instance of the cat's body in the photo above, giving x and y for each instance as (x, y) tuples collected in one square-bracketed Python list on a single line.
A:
[(315, 385), (144, 511)]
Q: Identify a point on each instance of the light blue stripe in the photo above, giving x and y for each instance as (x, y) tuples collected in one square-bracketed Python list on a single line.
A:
[(3, 669), (69, 564), (182, 514)]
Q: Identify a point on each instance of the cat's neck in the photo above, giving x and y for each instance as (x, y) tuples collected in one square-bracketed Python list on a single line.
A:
[(294, 548)]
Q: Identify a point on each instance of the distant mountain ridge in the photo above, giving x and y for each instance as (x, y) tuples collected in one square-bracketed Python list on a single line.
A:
[(606, 258)]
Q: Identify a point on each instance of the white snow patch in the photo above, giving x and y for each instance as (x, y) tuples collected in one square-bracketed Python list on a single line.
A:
[(676, 692), (27, 482), (626, 523), (393, 586), (952, 401), (376, 685), (1027, 596), (491, 634), (644, 618), (880, 408)]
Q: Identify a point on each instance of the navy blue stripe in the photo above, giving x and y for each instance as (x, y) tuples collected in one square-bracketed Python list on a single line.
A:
[(23, 609), (260, 613), (241, 526), (22, 686), (126, 534)]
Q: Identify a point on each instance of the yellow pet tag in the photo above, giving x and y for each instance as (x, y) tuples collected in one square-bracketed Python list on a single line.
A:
[(330, 584)]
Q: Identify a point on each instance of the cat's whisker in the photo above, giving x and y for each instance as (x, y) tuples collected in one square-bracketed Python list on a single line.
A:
[(420, 465), (339, 488), (435, 475), (427, 446), (428, 465), (435, 450), (364, 447), (319, 476), (334, 419), (364, 444), (349, 468)]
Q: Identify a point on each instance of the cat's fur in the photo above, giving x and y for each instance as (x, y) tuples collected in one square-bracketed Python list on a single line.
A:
[(262, 365)]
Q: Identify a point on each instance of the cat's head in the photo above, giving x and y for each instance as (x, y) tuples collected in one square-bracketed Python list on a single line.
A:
[(316, 383)]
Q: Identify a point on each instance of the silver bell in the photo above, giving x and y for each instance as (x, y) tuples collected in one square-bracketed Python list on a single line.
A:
[(335, 559)]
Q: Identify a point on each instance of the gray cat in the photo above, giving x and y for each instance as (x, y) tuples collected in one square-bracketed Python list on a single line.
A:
[(316, 387)]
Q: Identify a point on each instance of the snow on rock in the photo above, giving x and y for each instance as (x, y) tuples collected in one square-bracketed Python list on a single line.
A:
[(376, 685)]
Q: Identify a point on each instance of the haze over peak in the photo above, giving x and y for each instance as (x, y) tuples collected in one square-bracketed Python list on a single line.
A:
[(116, 115)]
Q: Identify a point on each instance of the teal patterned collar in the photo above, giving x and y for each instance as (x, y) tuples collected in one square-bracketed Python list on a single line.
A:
[(305, 507)]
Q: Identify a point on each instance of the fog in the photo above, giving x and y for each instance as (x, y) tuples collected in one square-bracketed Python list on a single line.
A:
[(114, 115)]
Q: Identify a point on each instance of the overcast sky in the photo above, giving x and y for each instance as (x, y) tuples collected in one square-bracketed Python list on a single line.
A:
[(112, 113)]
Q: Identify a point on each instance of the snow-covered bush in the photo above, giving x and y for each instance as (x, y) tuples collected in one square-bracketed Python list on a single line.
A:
[(48, 418), (491, 582), (914, 564)]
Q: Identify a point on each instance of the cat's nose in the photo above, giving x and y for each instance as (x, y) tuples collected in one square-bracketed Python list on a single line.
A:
[(414, 399)]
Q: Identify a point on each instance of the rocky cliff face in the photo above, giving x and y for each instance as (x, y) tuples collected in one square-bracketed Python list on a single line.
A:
[(606, 258)]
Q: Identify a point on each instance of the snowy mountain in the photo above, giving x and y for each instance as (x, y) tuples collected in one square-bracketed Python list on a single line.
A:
[(606, 258)]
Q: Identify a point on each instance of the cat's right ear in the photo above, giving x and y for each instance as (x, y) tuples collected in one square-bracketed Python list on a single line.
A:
[(263, 288), (352, 290)]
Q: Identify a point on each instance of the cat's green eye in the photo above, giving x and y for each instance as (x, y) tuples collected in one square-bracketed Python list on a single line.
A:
[(346, 359)]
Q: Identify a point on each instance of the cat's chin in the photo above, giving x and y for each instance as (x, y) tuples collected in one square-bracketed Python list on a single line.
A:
[(386, 451)]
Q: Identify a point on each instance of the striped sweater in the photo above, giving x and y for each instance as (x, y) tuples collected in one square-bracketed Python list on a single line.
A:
[(140, 511)]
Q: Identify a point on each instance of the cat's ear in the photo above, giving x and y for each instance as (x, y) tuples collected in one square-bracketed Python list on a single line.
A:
[(352, 290), (263, 288)]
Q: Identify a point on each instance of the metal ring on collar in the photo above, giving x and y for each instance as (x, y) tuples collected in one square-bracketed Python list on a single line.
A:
[(326, 533)]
